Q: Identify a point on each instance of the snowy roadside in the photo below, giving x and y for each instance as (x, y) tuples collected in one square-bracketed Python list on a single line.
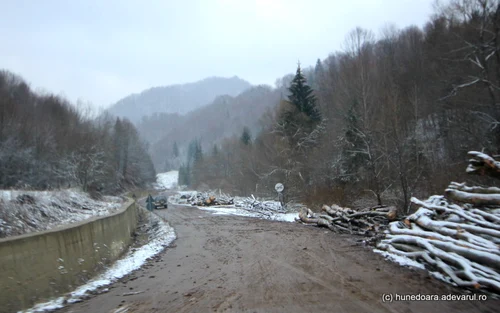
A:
[(160, 235), (249, 207), (24, 212)]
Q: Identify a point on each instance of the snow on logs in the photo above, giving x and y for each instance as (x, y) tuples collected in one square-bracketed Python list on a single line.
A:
[(209, 199), (264, 209), (367, 222), (458, 234)]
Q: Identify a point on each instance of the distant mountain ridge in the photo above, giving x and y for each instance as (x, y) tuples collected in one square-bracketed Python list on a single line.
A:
[(179, 98), (211, 124)]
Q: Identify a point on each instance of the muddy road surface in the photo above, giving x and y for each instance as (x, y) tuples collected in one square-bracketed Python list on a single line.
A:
[(235, 264)]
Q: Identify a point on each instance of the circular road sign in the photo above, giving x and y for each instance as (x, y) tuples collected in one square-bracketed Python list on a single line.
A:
[(279, 187)]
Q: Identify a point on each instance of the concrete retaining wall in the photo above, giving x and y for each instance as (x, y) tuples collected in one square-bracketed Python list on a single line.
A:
[(36, 267)]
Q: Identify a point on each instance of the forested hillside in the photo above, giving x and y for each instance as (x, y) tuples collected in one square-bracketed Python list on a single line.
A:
[(46, 142), (386, 118), (210, 124), (389, 118), (181, 98)]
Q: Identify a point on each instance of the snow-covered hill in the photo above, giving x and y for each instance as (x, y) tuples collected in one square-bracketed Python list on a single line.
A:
[(30, 211), (167, 180)]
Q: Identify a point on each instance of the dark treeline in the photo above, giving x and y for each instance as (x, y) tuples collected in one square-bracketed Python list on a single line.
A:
[(45, 142), (391, 118)]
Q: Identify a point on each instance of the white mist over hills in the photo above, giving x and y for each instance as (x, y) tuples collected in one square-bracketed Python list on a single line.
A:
[(180, 98)]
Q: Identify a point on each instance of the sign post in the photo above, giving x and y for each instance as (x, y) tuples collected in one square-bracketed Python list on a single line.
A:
[(279, 189)]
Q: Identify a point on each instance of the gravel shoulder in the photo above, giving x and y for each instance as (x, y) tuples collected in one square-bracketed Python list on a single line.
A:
[(237, 264)]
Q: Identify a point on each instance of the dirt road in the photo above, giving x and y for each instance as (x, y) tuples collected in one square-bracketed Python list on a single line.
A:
[(236, 264)]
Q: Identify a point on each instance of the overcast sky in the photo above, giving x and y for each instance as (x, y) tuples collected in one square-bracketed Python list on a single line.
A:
[(101, 50)]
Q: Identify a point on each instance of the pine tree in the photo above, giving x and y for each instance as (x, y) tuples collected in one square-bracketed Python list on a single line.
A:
[(319, 74), (175, 150), (193, 145), (318, 69), (187, 175), (246, 138), (198, 152), (302, 96), (184, 175)]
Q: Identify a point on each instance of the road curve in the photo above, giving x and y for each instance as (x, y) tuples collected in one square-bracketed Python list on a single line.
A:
[(237, 264)]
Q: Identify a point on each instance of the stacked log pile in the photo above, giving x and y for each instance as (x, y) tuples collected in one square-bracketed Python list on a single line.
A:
[(366, 222), (209, 199), (458, 234)]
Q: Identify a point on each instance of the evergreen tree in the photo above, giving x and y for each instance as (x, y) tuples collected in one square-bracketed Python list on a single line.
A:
[(198, 152), (215, 150), (302, 96), (246, 138), (193, 145), (175, 150), (319, 74), (187, 175), (319, 70), (194, 161), (184, 178)]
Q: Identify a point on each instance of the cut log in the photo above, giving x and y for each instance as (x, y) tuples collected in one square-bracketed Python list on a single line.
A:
[(483, 164), (303, 216), (473, 198), (463, 187), (367, 222), (458, 234)]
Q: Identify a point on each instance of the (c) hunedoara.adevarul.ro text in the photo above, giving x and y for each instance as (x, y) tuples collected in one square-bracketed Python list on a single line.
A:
[(394, 297)]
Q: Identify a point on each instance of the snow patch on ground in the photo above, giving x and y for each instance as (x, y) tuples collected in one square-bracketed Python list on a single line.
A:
[(241, 208), (167, 180), (440, 276), (24, 212), (226, 210), (229, 210), (401, 260), (287, 217), (161, 237)]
